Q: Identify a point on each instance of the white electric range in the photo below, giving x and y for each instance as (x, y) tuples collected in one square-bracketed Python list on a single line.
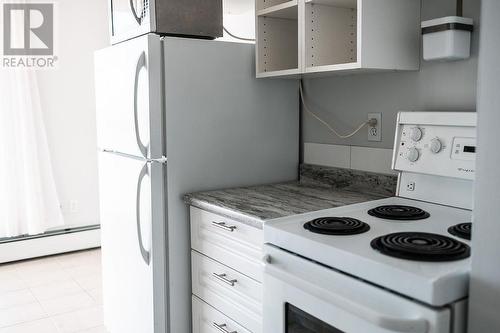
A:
[(399, 264)]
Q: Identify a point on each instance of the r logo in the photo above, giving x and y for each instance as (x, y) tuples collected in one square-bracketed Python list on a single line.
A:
[(28, 29)]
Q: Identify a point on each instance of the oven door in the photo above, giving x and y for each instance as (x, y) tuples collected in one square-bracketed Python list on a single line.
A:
[(301, 296)]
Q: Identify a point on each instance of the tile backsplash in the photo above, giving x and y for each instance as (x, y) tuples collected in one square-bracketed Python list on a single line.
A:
[(349, 157)]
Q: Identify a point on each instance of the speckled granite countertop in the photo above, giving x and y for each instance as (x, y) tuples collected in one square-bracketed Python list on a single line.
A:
[(319, 188)]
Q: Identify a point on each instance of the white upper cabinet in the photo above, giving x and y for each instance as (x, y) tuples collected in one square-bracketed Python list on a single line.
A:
[(309, 37), (277, 38)]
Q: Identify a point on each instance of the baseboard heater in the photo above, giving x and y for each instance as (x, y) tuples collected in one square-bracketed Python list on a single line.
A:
[(49, 243)]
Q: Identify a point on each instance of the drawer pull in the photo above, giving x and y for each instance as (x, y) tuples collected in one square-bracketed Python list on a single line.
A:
[(224, 226), (223, 278), (222, 328)]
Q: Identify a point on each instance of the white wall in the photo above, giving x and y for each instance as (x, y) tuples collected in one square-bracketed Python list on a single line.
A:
[(344, 101), (239, 18), (485, 277), (68, 104)]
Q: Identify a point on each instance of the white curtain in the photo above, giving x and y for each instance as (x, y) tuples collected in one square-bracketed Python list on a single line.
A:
[(28, 198)]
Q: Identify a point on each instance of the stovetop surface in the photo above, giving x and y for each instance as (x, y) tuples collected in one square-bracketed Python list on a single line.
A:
[(435, 283)]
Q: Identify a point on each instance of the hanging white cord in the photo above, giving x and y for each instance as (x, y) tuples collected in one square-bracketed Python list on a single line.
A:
[(240, 38), (306, 108)]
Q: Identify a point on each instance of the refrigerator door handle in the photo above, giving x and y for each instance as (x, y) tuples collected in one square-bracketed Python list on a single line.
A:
[(161, 160), (145, 253), (141, 63), (120, 154)]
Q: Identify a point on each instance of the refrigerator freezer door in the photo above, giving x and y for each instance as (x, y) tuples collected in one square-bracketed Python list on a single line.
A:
[(126, 218), (126, 111)]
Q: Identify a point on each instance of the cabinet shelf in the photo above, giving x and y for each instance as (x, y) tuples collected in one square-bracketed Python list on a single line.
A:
[(287, 10), (335, 3), (265, 4), (284, 73), (337, 36), (329, 68)]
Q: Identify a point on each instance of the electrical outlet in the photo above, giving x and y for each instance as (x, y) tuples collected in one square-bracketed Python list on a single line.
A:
[(73, 206), (375, 132), (64, 207), (410, 186)]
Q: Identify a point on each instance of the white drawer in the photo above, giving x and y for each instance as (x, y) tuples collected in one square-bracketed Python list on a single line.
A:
[(232, 243), (206, 319), (234, 294)]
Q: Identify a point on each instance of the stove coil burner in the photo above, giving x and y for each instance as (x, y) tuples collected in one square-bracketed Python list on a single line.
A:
[(421, 246), (462, 230), (336, 226), (398, 212)]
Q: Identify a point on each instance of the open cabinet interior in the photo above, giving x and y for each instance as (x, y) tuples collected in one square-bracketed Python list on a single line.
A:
[(330, 32), (277, 35), (318, 37)]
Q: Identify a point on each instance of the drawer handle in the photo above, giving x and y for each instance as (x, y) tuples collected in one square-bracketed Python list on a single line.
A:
[(222, 328), (224, 226), (223, 278)]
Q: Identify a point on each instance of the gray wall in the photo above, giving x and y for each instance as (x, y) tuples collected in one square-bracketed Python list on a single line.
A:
[(485, 278), (344, 101)]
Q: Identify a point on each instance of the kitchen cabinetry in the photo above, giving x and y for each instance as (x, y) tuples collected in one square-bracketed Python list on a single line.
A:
[(208, 319), (226, 264), (308, 37), (277, 38)]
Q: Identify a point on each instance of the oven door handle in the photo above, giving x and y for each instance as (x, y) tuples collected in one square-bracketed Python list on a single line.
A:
[(384, 321)]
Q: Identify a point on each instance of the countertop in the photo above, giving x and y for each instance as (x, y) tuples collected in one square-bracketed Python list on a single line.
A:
[(319, 188)]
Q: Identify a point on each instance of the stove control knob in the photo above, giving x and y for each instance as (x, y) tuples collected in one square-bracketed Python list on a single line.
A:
[(416, 134), (413, 154), (436, 145)]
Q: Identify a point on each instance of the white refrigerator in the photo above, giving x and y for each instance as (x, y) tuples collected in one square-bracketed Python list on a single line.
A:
[(176, 116)]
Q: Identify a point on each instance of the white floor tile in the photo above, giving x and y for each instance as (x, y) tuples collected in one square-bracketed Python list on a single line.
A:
[(75, 261), (79, 259), (89, 282), (79, 320), (59, 305), (100, 329), (96, 295), (39, 326), (11, 284), (84, 270), (57, 289), (46, 277), (14, 298), (29, 268), (8, 272), (55, 294), (21, 314)]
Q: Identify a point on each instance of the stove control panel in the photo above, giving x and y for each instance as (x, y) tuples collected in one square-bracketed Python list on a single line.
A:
[(416, 134), (436, 143), (464, 149)]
